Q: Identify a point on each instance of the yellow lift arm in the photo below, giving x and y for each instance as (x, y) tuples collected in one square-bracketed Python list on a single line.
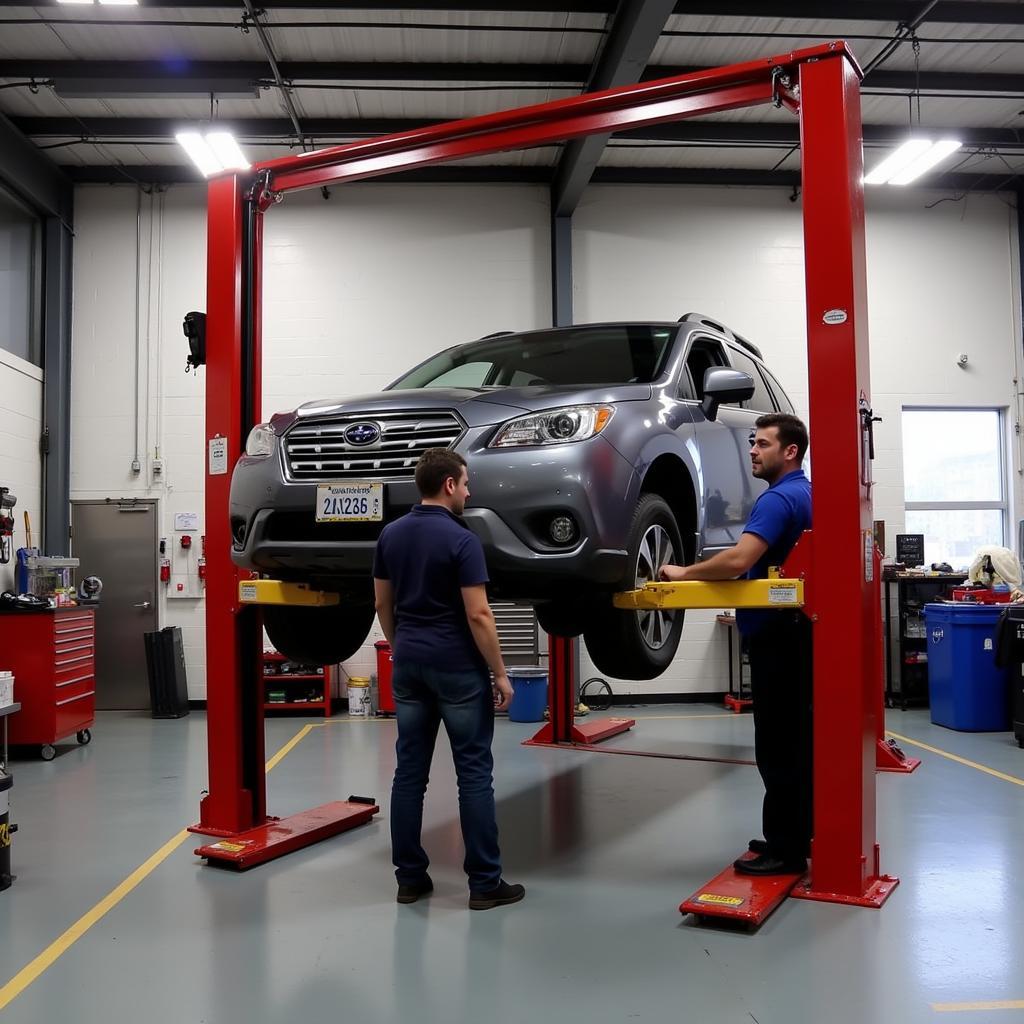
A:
[(278, 592), (774, 592)]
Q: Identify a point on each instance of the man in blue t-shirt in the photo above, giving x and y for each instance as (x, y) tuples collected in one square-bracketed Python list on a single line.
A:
[(429, 577), (778, 645)]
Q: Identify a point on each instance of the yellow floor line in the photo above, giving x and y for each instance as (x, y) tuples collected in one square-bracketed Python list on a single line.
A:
[(999, 1004), (957, 758), (61, 945)]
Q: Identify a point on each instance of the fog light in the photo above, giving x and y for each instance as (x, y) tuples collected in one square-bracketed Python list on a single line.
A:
[(238, 531), (562, 529)]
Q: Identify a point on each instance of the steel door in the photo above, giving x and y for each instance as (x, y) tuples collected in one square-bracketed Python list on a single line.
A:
[(117, 541)]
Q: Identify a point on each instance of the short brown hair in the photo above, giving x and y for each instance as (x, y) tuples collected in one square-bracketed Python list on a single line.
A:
[(790, 428), (434, 467)]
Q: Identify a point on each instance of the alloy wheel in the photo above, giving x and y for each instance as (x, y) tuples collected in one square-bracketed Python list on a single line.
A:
[(656, 548)]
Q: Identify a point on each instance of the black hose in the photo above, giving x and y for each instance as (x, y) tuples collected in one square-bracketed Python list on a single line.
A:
[(602, 686)]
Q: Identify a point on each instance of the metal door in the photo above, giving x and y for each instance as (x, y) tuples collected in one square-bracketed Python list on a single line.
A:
[(117, 541)]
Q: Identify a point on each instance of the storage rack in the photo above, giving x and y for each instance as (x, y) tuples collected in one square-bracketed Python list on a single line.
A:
[(318, 680)]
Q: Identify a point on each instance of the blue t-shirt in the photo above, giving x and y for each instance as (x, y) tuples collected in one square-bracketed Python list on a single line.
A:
[(779, 516), (429, 555)]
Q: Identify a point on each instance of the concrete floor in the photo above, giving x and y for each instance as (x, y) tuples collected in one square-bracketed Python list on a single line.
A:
[(607, 847)]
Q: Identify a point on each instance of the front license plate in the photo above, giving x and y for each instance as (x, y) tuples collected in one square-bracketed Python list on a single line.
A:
[(353, 502)]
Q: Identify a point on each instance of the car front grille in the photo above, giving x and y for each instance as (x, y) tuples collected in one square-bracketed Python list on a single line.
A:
[(317, 450)]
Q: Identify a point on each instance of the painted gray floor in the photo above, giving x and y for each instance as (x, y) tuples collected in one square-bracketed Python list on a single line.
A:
[(607, 847)]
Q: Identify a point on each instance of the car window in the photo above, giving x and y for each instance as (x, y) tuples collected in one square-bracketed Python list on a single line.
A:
[(467, 375), (577, 356), (781, 398), (703, 355), (762, 397)]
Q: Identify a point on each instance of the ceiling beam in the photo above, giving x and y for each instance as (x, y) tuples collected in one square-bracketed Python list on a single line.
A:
[(726, 133), (632, 36), (956, 13), (733, 177), (173, 76), (505, 6)]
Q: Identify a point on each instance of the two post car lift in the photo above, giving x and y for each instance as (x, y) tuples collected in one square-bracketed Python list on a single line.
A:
[(821, 86)]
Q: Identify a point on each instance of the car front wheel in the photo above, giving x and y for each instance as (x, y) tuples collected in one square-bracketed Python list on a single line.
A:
[(640, 644), (318, 636)]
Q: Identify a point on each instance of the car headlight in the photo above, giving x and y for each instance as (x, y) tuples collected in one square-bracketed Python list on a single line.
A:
[(555, 426), (261, 440)]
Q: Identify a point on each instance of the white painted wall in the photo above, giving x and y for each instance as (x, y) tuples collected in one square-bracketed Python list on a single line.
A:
[(21, 413), (362, 286)]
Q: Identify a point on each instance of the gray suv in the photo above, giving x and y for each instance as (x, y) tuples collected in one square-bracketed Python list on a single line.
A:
[(596, 454)]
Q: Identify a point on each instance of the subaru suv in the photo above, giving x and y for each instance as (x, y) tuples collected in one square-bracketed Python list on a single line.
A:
[(597, 453)]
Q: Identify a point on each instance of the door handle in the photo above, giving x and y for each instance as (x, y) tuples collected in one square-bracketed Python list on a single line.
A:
[(144, 604)]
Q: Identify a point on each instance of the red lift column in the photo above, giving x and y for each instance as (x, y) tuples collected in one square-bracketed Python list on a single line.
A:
[(562, 727)]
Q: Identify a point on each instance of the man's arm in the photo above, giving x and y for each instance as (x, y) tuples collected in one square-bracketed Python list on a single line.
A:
[(485, 634), (384, 602), (726, 565)]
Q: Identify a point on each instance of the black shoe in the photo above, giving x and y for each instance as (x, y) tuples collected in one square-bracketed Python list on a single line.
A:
[(758, 846), (411, 893), (501, 895), (766, 864)]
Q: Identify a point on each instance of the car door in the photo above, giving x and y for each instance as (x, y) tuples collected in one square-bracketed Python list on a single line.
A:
[(723, 444)]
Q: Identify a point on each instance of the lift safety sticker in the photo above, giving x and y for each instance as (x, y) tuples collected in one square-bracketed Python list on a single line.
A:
[(218, 456), (248, 592), (782, 593), (229, 847), (721, 901)]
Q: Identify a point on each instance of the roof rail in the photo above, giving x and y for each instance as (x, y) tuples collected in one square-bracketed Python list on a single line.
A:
[(700, 318)]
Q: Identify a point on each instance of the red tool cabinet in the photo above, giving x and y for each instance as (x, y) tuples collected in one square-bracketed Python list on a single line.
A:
[(52, 656)]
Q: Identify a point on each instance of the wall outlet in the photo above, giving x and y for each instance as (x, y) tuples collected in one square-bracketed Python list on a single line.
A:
[(157, 466)]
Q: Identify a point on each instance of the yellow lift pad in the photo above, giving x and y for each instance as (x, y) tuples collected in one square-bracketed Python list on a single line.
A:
[(278, 592), (774, 592)]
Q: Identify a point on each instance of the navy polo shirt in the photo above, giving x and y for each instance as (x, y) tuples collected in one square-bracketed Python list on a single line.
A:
[(779, 516), (429, 555)]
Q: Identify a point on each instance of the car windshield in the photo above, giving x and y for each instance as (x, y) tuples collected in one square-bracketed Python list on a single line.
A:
[(575, 356)]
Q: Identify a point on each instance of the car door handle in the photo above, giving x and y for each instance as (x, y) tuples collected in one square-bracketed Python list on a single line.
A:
[(144, 604)]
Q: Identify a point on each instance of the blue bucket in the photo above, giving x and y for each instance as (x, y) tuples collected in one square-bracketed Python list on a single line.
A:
[(529, 694)]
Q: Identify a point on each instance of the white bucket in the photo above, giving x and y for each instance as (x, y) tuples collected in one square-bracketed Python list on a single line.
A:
[(359, 696)]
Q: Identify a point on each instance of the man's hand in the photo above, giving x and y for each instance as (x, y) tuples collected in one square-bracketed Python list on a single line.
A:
[(672, 573), (502, 693)]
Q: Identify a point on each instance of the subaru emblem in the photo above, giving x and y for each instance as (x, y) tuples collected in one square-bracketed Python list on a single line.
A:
[(362, 434)]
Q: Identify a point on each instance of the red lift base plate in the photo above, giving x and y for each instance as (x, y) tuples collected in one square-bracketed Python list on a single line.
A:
[(747, 899), (737, 704), (890, 758), (873, 897), (589, 732), (283, 835)]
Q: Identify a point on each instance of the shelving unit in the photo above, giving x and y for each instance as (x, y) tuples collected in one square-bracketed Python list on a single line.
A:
[(293, 683), (906, 641)]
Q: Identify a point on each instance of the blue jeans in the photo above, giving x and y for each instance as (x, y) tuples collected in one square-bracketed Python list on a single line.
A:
[(425, 697)]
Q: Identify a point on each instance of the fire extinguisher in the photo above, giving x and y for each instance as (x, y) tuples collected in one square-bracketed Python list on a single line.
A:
[(165, 570), (201, 569)]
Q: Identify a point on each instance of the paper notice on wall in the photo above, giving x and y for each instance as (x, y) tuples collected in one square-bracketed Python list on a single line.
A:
[(186, 521), (218, 456)]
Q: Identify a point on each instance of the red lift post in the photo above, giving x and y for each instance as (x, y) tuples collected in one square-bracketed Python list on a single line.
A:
[(821, 86)]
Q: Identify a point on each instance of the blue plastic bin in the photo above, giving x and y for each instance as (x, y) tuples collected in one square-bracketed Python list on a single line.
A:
[(965, 689), (529, 694)]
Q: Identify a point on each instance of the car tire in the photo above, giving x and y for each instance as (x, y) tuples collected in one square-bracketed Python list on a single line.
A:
[(640, 644), (564, 617), (318, 636)]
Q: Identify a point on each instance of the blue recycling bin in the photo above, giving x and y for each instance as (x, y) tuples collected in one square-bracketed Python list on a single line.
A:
[(965, 689), (529, 694)]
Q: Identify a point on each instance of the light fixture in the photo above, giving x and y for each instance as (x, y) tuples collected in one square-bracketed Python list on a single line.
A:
[(213, 151), (910, 161), (104, 3)]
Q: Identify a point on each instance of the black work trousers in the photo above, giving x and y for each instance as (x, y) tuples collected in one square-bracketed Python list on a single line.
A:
[(781, 677)]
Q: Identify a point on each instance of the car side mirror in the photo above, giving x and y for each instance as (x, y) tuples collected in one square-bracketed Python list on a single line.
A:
[(722, 386)]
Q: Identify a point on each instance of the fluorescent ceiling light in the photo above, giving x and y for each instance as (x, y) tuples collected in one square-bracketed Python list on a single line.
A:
[(227, 151), (895, 162), (213, 151), (199, 152), (119, 3), (74, 1), (925, 162)]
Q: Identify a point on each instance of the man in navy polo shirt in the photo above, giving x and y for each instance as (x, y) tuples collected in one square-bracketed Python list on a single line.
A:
[(778, 644), (429, 580)]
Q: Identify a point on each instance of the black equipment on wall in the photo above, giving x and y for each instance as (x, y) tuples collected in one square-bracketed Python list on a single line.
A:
[(7, 502), (195, 330), (165, 662)]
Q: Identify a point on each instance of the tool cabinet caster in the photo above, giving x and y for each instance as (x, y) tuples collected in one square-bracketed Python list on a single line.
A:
[(84, 737), (47, 752)]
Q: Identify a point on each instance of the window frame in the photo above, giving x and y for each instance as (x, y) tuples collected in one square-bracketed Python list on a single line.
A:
[(1002, 505)]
